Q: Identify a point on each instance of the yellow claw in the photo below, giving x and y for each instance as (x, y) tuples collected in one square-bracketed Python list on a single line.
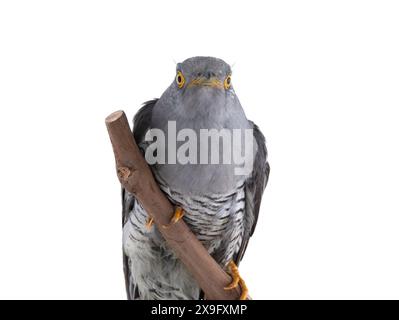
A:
[(179, 213), (237, 280), (244, 290), (235, 275), (149, 223)]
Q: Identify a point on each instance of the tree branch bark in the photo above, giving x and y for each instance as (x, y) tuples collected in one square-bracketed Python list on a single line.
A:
[(136, 176)]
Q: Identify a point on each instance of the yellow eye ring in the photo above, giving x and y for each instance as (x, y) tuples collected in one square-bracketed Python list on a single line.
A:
[(227, 82), (180, 79)]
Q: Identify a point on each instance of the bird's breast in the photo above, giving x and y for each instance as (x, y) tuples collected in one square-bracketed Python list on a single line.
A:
[(211, 216)]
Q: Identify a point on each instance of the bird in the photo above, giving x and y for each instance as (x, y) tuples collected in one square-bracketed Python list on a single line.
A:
[(220, 207)]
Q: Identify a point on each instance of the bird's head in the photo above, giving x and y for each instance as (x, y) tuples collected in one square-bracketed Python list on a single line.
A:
[(203, 85), (200, 96), (203, 73)]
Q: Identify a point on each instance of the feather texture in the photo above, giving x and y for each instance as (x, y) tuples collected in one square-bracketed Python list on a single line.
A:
[(220, 208)]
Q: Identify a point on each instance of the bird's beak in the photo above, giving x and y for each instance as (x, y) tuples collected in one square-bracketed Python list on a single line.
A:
[(205, 82)]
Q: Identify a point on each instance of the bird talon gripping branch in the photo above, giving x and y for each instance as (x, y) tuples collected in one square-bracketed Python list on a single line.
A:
[(237, 280), (149, 223), (179, 213)]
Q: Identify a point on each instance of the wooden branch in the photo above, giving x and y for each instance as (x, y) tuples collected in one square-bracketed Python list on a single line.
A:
[(136, 176)]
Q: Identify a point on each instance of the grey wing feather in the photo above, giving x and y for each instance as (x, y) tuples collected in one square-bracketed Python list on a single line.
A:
[(141, 123), (254, 187), (142, 120)]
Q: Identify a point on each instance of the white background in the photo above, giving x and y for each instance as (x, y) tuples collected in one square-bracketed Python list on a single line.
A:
[(320, 78)]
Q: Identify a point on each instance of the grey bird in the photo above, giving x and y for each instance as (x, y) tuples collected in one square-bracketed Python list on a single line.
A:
[(220, 207)]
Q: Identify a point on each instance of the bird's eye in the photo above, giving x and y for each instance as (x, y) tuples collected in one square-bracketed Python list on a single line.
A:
[(227, 82), (180, 79)]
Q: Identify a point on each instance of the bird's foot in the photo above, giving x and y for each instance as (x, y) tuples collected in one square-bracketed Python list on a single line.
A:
[(237, 280), (179, 213), (149, 223)]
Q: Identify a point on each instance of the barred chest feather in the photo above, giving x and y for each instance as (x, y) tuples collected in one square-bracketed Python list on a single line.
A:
[(216, 219)]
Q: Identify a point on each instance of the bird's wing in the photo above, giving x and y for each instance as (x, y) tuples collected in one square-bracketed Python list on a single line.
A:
[(254, 187), (141, 123)]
